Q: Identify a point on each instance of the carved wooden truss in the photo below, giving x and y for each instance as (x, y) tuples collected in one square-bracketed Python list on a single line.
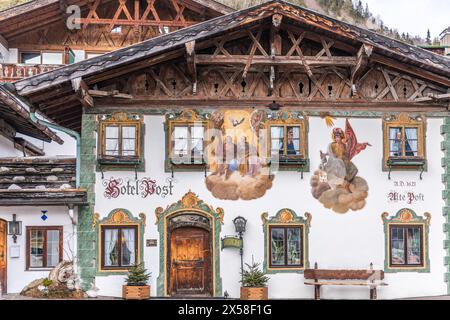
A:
[(286, 64)]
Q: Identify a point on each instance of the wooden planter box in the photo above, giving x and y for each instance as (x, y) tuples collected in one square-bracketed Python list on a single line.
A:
[(256, 293), (135, 292)]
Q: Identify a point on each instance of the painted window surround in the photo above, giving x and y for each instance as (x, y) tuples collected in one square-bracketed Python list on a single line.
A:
[(118, 217), (403, 120), (121, 164), (286, 218), (187, 118), (406, 217)]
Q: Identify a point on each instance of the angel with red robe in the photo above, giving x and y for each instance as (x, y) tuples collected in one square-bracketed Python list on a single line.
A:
[(337, 164)]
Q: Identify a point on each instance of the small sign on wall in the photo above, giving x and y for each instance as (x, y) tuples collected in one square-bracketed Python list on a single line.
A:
[(14, 251), (151, 242), (231, 242)]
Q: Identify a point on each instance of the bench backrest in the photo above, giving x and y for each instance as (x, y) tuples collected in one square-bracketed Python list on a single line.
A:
[(327, 274)]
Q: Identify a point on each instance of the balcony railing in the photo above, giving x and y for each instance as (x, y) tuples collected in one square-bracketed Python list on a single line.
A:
[(10, 72)]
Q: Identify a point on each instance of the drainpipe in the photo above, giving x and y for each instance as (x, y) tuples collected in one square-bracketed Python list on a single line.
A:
[(71, 133)]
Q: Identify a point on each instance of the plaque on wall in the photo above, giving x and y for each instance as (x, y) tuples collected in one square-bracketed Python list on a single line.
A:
[(151, 242), (14, 251)]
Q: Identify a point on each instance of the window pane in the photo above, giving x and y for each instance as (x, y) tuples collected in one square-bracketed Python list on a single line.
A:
[(112, 132), (36, 248), (112, 140), (31, 57), (411, 142), (92, 55), (129, 132), (111, 245), (128, 147), (293, 246), (52, 248), (293, 140), (395, 142), (180, 143), (397, 246), (52, 58), (197, 132), (128, 247), (277, 246), (276, 134), (414, 246)]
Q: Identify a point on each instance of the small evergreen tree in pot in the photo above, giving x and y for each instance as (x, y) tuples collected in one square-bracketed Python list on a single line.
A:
[(136, 287), (254, 283)]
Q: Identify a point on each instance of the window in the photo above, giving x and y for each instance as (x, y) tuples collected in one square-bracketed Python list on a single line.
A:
[(119, 246), (406, 236), (120, 139), (286, 241), (406, 245), (404, 142), (285, 246), (186, 136), (44, 247), (42, 57), (187, 143), (90, 55), (287, 140)]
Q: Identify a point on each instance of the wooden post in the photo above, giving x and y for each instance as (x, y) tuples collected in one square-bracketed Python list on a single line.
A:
[(373, 289), (316, 287)]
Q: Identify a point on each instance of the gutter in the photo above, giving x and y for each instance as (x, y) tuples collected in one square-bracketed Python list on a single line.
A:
[(70, 132)]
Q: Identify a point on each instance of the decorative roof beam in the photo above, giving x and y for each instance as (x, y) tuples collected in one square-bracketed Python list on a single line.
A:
[(82, 92), (362, 62), (191, 64)]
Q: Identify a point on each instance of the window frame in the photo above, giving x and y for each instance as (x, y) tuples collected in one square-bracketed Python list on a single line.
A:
[(404, 121), (44, 249), (189, 125), (287, 119), (103, 157), (406, 218), (41, 55), (405, 227), (302, 240), (102, 246)]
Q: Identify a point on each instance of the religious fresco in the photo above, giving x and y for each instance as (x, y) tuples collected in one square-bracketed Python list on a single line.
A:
[(336, 183), (239, 170)]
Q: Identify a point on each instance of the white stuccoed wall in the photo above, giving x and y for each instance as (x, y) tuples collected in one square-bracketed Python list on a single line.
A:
[(7, 148), (18, 276), (350, 240)]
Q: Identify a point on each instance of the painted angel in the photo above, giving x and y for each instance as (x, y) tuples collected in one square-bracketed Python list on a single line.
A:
[(337, 163)]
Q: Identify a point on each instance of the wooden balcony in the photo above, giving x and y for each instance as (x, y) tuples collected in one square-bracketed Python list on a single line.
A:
[(10, 72)]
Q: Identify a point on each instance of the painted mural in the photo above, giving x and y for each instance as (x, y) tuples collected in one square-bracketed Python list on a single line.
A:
[(239, 169), (336, 183)]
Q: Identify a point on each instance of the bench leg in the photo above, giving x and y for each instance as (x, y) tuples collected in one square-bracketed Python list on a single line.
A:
[(373, 293), (317, 292)]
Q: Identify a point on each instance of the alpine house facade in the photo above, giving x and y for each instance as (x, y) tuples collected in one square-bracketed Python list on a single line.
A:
[(330, 140)]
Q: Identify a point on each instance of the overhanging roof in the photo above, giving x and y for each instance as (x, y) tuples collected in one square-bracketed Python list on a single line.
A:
[(19, 118)]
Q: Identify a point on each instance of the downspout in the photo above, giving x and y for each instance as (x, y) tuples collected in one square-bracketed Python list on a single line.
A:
[(71, 133)]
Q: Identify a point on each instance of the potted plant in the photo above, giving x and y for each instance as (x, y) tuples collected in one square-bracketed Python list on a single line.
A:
[(136, 287), (254, 283)]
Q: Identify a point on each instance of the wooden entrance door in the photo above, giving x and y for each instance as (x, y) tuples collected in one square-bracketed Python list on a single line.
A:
[(3, 255), (190, 262)]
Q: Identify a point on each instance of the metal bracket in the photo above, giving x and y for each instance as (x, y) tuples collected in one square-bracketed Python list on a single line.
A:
[(422, 167), (389, 174), (101, 170), (135, 172)]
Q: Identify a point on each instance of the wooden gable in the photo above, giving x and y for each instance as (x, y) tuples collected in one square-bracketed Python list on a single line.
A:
[(138, 20)]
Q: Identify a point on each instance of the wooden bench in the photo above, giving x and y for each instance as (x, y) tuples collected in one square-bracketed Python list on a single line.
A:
[(326, 277)]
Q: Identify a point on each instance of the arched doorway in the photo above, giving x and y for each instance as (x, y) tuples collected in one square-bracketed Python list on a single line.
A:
[(189, 252), (189, 248)]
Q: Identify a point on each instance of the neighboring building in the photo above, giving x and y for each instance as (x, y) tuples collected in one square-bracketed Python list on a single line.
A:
[(443, 48), (269, 80), (445, 40), (37, 176)]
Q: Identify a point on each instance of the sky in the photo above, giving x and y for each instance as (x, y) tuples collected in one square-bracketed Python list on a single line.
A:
[(413, 16)]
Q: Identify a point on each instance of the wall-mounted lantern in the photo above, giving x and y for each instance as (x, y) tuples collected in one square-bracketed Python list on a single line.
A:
[(14, 228), (240, 224)]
